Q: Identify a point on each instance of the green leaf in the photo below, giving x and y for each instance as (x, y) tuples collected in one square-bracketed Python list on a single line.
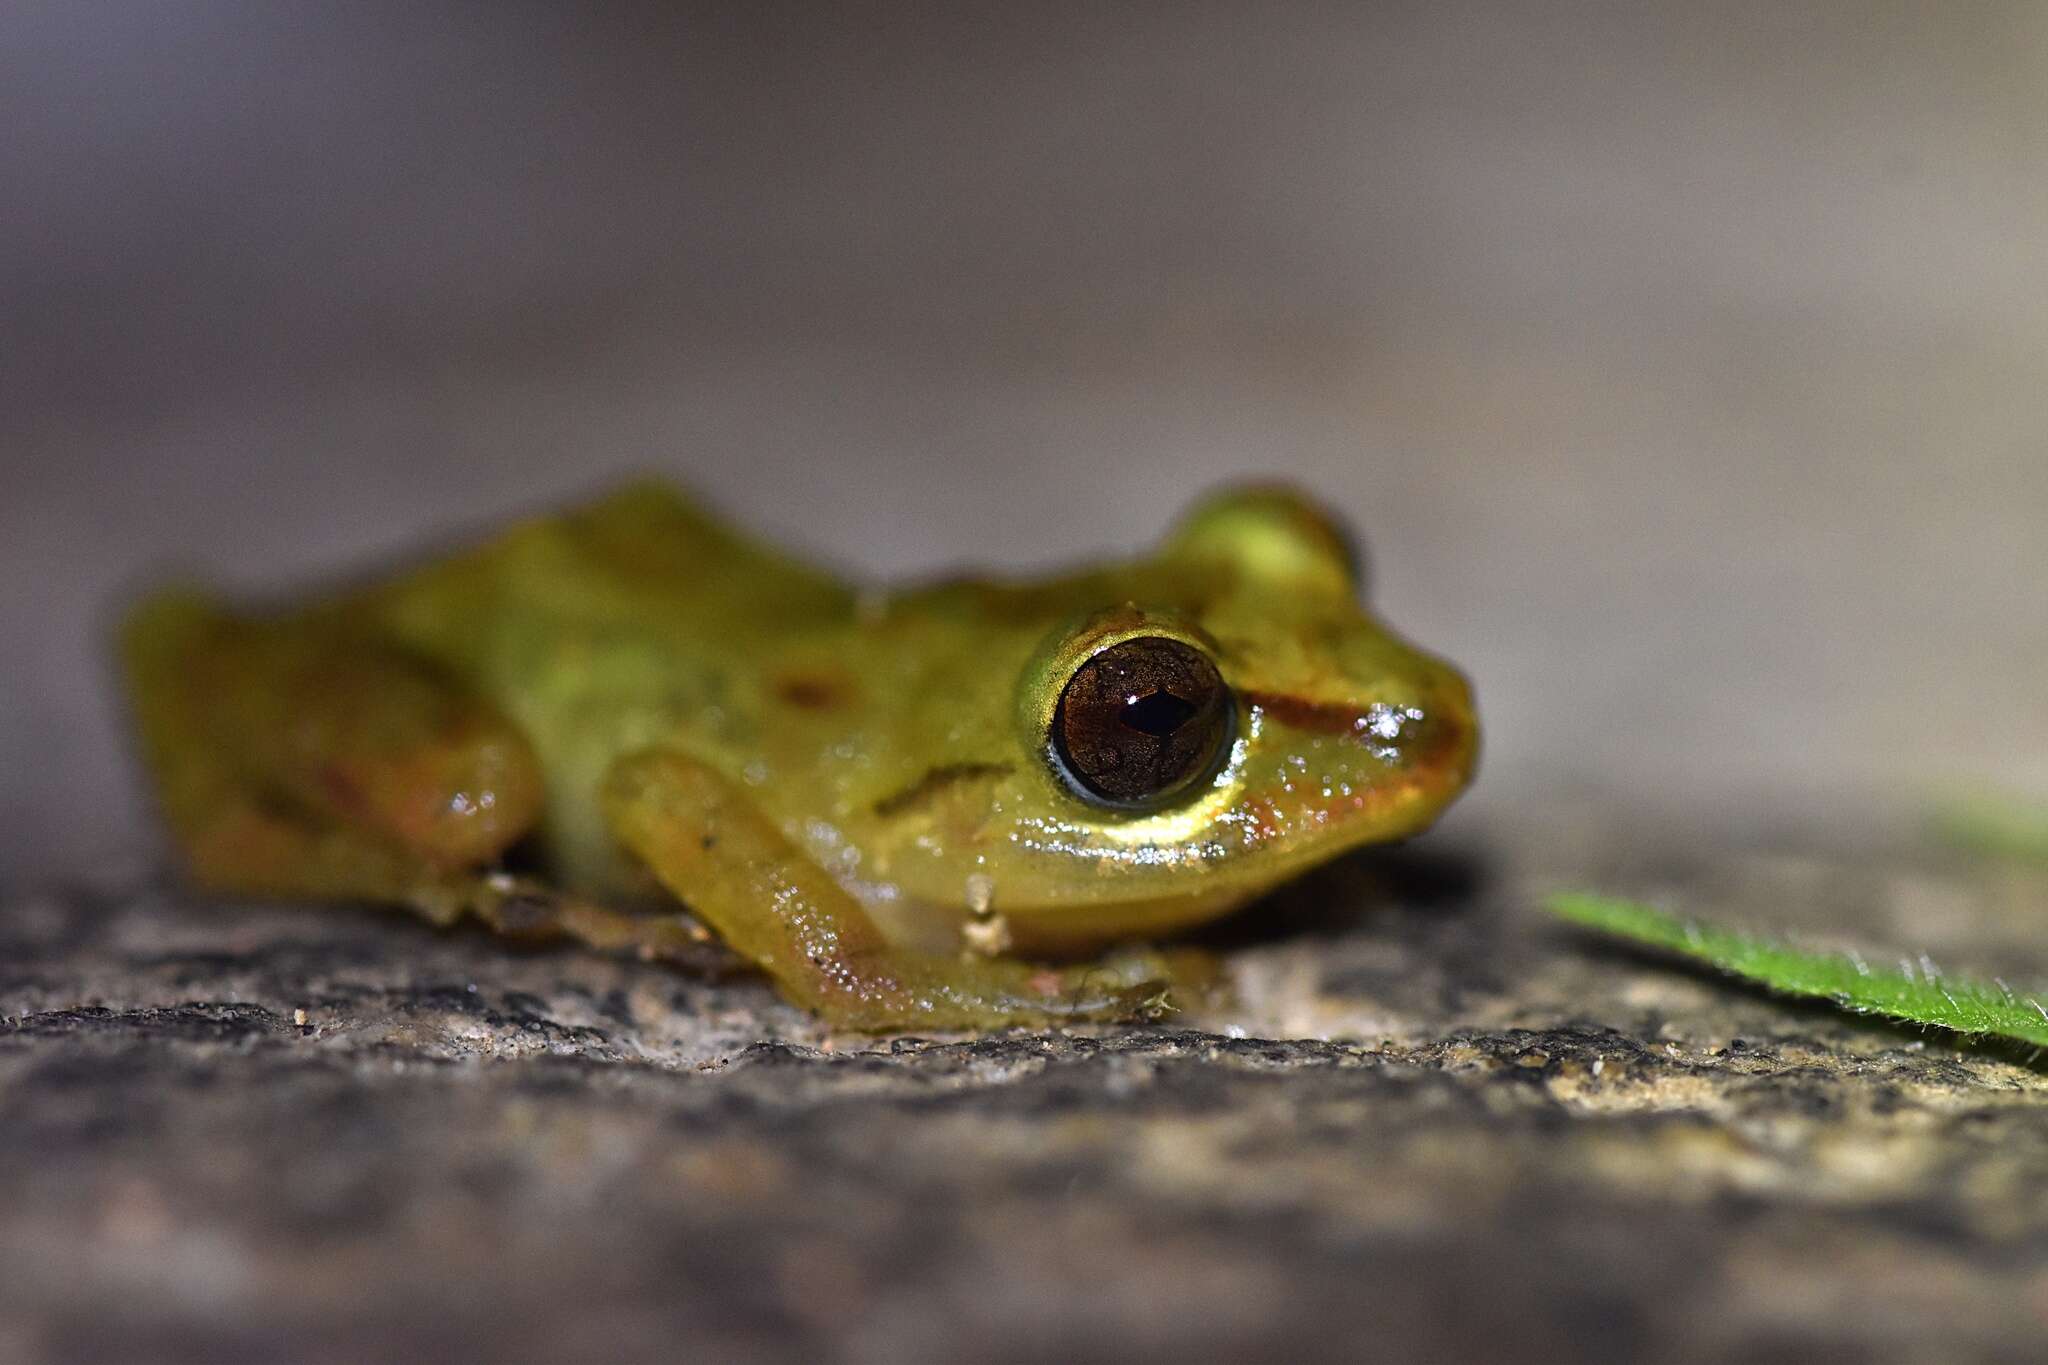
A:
[(1916, 993)]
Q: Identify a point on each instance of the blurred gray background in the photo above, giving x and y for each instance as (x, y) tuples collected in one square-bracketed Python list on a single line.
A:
[(1683, 365)]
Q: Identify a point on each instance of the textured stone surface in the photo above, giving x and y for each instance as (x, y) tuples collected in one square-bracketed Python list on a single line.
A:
[(1434, 1126)]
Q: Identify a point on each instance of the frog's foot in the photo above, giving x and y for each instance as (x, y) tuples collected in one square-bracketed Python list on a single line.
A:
[(531, 910), (881, 991), (1180, 979), (895, 991)]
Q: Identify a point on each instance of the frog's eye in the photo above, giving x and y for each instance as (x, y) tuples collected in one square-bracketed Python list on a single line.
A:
[(1142, 721)]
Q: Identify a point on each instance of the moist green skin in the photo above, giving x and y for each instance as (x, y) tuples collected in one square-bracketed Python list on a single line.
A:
[(889, 749)]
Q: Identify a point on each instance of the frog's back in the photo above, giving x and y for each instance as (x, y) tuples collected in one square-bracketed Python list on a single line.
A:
[(637, 567), (635, 619)]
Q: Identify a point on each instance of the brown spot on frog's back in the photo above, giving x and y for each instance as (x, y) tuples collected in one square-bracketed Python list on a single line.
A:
[(814, 691)]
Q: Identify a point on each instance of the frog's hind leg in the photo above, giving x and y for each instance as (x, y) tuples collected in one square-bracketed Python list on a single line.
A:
[(773, 905), (298, 761)]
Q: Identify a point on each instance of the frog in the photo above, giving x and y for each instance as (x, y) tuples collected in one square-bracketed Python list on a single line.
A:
[(966, 802)]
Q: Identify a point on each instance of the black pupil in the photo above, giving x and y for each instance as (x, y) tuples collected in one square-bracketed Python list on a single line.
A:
[(1141, 721), (1157, 714)]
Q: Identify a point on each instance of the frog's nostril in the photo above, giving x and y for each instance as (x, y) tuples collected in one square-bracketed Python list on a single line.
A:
[(1443, 740), (1388, 726)]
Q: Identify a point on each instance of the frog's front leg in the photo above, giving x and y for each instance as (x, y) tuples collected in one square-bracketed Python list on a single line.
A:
[(710, 846)]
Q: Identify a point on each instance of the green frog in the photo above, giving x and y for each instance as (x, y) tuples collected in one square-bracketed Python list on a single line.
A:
[(914, 807)]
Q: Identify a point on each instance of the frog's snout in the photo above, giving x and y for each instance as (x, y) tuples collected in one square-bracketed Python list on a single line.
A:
[(1435, 731), (1441, 744), (1394, 763)]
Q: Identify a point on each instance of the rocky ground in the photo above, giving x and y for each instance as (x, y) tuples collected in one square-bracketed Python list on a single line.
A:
[(1434, 1126)]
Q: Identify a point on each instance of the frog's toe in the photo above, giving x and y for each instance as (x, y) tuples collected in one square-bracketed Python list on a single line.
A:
[(1158, 982)]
